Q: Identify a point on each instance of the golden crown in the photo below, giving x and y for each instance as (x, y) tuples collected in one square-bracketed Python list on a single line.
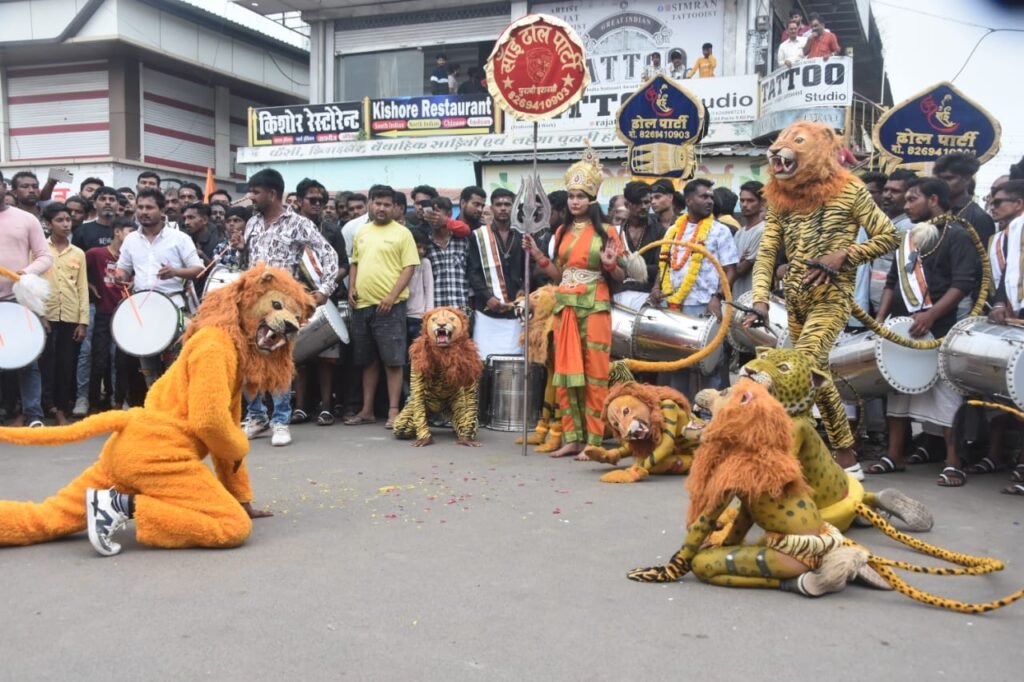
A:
[(586, 174)]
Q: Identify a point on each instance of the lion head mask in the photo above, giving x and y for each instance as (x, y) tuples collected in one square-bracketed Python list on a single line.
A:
[(632, 412), (445, 346), (804, 169)]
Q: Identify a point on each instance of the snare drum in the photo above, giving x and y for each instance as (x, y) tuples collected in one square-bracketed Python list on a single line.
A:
[(147, 323), (504, 381), (774, 333), (22, 337), (979, 358), (662, 335), (867, 366), (220, 276)]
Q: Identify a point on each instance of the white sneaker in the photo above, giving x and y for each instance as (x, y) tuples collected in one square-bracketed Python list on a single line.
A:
[(81, 408), (103, 520), (35, 424), (254, 428), (282, 435), (856, 471)]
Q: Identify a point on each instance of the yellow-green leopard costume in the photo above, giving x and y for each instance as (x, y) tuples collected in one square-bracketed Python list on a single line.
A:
[(816, 207), (654, 425), (446, 370)]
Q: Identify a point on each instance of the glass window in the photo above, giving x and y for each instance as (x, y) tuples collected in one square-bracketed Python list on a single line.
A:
[(379, 74)]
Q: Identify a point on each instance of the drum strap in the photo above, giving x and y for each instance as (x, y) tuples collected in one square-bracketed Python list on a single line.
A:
[(913, 285), (1012, 270), (487, 242)]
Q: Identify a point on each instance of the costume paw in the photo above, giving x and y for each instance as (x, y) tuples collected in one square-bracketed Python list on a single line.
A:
[(423, 442), (550, 445), (596, 453), (655, 574), (535, 438), (630, 475), (468, 442)]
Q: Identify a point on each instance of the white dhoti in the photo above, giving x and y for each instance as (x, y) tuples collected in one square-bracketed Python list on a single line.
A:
[(496, 336), (632, 299)]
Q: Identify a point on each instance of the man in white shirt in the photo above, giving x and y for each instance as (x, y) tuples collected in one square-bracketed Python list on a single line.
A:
[(791, 50), (158, 258)]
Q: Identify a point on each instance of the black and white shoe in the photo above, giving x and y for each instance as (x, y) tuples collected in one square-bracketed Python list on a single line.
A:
[(103, 520)]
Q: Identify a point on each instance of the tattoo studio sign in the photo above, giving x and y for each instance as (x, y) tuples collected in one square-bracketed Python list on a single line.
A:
[(305, 124), (935, 122), (807, 85), (432, 115)]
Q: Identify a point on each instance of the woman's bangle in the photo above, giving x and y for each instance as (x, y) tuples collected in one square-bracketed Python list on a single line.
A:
[(544, 262), (998, 305)]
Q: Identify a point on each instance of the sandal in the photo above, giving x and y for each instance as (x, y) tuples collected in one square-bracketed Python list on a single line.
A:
[(390, 423), (985, 465), (299, 417), (884, 465), (952, 477), (356, 420), (325, 418), (1017, 475), (920, 455), (1015, 489)]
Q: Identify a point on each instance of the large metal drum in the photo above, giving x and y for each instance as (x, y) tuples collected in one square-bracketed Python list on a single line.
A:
[(325, 329), (867, 366), (22, 337), (148, 322), (984, 359), (220, 276), (662, 335), (774, 334), (504, 383)]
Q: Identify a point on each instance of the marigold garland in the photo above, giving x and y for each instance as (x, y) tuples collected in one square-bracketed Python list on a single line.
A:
[(678, 257)]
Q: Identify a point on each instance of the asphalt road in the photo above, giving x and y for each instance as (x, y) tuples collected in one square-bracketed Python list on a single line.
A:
[(385, 562)]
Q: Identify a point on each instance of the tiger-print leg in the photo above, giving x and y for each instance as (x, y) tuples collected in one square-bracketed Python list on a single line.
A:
[(464, 416), (745, 566)]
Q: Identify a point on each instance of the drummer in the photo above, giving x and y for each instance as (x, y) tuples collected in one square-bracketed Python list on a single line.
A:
[(640, 229), (278, 236), (157, 258), (935, 267)]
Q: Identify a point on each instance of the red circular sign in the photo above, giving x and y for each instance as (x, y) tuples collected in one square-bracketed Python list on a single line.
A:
[(537, 69)]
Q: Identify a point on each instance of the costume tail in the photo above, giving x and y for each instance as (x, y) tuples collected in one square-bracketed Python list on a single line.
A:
[(971, 565), (98, 424)]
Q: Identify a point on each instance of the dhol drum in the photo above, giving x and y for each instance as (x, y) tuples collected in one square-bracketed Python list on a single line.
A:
[(22, 337), (147, 323), (983, 359), (325, 329), (774, 333), (220, 276), (503, 382), (663, 335), (867, 366)]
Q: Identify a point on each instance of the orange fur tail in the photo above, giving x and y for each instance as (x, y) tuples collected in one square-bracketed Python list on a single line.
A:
[(98, 424)]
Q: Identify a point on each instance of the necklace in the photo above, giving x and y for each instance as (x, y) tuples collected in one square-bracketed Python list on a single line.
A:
[(504, 251)]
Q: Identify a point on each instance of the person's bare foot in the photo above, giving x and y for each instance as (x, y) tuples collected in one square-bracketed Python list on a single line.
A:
[(568, 449), (60, 418), (18, 420), (846, 457)]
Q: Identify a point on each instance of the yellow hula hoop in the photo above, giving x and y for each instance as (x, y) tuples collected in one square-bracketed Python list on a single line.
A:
[(723, 328), (986, 282), (999, 406)]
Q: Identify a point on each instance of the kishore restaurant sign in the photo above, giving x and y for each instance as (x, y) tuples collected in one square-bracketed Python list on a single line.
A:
[(432, 115), (935, 122), (810, 84), (305, 124)]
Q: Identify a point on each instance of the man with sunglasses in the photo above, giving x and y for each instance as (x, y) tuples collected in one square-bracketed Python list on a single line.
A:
[(1005, 205)]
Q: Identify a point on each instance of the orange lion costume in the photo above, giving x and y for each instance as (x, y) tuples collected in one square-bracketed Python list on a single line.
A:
[(151, 468)]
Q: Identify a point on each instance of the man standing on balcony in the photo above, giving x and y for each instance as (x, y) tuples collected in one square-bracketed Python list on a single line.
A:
[(821, 43), (791, 50)]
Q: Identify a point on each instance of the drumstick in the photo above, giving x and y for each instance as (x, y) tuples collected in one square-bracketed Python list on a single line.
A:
[(138, 317), (213, 261)]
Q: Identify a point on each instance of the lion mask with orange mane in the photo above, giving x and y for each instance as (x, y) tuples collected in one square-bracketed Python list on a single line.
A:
[(804, 169), (744, 452), (261, 312), (445, 348), (542, 321)]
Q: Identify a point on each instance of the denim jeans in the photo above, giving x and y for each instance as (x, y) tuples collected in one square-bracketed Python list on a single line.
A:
[(257, 409), (30, 384), (85, 356)]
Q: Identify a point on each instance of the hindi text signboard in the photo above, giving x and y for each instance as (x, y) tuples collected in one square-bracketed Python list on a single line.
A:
[(305, 124), (660, 123)]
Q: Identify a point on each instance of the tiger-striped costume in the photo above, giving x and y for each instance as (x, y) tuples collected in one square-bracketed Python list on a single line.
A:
[(664, 432), (814, 211), (446, 370)]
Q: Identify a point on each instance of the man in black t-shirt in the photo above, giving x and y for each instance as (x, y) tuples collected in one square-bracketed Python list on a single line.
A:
[(958, 170), (99, 232), (935, 267)]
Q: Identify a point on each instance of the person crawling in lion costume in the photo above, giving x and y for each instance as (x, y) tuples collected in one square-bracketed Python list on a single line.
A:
[(446, 369), (654, 425), (151, 468), (745, 454), (815, 211)]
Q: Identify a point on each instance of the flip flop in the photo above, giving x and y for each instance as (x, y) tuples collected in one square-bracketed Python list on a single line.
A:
[(299, 417), (952, 477), (1015, 489), (1017, 476), (356, 420), (920, 455), (325, 418), (884, 465), (983, 466)]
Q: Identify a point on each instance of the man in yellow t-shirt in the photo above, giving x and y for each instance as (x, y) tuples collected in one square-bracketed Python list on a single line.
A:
[(384, 257), (706, 65)]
